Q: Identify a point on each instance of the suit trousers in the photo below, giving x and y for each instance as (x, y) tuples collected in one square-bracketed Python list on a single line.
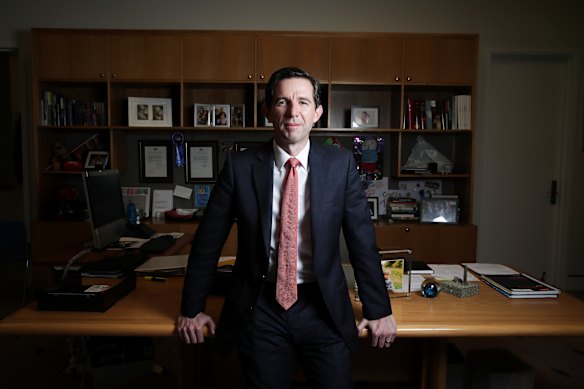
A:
[(267, 348)]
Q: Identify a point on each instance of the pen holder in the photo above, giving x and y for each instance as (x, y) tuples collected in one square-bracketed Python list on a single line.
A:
[(459, 288)]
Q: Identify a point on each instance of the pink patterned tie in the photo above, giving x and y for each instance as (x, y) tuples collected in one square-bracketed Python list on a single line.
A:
[(286, 289)]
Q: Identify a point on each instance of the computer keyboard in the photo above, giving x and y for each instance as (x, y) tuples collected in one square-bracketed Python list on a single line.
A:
[(158, 244), (139, 231), (112, 266)]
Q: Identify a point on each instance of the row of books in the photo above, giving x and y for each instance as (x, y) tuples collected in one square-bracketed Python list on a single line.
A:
[(403, 209), (446, 114), (58, 110)]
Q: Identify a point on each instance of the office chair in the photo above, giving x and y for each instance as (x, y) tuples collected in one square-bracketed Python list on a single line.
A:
[(14, 261)]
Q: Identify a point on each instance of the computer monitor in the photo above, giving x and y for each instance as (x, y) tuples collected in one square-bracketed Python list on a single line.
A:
[(103, 193)]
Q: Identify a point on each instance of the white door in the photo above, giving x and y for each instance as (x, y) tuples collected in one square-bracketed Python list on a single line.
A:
[(523, 150)]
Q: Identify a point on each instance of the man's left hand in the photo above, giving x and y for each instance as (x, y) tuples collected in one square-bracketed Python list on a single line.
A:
[(383, 331)]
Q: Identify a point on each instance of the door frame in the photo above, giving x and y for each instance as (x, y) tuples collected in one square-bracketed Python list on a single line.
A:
[(556, 269)]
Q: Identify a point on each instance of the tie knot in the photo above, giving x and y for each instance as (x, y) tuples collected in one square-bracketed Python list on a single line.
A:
[(293, 162)]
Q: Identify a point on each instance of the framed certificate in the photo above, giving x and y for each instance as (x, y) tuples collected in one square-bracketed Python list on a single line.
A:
[(155, 161), (201, 158)]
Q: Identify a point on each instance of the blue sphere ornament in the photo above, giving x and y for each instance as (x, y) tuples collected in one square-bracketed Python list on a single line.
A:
[(430, 288)]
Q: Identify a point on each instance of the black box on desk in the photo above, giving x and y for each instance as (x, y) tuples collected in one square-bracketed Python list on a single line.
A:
[(89, 298)]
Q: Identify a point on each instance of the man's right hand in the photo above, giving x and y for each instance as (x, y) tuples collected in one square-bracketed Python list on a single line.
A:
[(192, 329)]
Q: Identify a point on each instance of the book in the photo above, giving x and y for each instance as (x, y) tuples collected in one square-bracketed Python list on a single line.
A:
[(164, 265), (522, 296), (410, 112), (462, 108), (429, 106), (419, 267), (519, 284)]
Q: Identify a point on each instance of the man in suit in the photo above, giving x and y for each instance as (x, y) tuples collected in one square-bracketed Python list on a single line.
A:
[(319, 327)]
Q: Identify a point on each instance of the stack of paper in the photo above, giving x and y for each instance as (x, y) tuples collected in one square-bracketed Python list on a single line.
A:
[(448, 272), (489, 268)]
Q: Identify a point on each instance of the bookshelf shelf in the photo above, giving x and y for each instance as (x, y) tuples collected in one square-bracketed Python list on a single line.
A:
[(377, 70)]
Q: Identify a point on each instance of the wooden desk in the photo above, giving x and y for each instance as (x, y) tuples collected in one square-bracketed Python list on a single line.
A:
[(151, 310)]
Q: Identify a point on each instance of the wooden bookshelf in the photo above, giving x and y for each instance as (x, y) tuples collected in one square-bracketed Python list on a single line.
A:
[(231, 67)]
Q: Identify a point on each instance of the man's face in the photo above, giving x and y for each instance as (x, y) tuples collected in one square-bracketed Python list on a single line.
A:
[(293, 112)]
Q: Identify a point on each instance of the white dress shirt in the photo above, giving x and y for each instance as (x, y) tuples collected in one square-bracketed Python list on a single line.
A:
[(305, 269)]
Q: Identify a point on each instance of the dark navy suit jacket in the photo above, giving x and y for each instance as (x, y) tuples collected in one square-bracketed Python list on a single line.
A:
[(243, 194)]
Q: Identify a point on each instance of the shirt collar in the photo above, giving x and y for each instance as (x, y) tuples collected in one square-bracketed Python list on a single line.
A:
[(281, 157)]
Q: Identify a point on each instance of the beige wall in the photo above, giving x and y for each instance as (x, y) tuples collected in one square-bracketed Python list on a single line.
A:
[(500, 22), (534, 26)]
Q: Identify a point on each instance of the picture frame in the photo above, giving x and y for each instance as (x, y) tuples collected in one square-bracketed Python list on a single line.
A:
[(237, 115), (155, 161), (241, 146), (373, 207), (149, 112), (201, 160), (393, 273), (96, 160), (201, 193), (439, 210), (267, 122), (221, 115), (364, 117), (203, 114)]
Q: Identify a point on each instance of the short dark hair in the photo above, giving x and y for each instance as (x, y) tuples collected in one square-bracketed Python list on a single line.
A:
[(291, 72)]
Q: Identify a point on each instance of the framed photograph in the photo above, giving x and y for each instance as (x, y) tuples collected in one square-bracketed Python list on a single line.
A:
[(439, 210), (201, 158), (240, 146), (201, 194), (364, 117), (221, 115), (203, 113), (267, 122), (96, 160), (155, 161), (373, 207), (238, 115), (149, 112), (393, 273)]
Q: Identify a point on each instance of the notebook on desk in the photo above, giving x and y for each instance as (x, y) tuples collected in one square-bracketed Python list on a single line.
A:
[(164, 265)]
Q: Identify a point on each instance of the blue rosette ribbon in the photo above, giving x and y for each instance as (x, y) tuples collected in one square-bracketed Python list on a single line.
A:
[(179, 153)]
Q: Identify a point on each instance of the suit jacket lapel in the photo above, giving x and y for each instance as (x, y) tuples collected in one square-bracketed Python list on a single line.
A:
[(262, 176), (318, 185)]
